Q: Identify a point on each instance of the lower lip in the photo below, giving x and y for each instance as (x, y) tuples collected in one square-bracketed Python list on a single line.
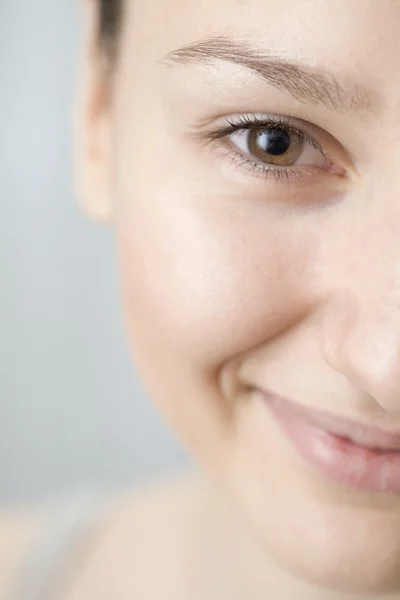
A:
[(338, 458)]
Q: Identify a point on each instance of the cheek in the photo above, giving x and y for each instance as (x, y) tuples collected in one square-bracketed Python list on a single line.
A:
[(203, 280)]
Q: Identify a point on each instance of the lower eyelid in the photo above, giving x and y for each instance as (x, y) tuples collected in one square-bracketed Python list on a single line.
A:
[(256, 170)]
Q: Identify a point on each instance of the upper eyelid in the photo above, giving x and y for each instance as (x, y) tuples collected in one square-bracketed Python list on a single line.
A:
[(289, 123), (252, 118), (302, 131)]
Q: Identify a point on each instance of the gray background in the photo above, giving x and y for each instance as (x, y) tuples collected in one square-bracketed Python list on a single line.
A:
[(72, 412)]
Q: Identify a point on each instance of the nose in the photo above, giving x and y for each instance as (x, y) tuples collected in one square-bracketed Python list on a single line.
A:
[(363, 343), (361, 323)]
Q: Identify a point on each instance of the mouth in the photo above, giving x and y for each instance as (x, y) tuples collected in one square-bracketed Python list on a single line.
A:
[(347, 452)]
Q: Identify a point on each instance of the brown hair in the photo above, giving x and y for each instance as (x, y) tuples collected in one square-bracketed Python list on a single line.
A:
[(110, 24)]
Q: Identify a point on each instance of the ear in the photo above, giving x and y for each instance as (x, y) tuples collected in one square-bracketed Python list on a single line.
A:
[(92, 122)]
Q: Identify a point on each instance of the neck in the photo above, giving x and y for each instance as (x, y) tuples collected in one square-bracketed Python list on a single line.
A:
[(237, 565)]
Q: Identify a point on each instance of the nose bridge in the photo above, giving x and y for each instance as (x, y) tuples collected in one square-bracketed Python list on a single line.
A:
[(361, 327)]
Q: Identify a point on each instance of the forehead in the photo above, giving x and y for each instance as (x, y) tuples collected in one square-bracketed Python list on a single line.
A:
[(357, 37)]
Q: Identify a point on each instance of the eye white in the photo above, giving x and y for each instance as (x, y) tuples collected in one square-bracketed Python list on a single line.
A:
[(240, 139)]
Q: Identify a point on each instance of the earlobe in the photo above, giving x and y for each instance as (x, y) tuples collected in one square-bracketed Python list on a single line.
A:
[(92, 125)]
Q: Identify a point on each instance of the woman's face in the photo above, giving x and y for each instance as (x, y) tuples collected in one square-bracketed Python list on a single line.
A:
[(250, 159)]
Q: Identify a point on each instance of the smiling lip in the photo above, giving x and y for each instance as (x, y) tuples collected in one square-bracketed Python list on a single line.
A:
[(347, 452)]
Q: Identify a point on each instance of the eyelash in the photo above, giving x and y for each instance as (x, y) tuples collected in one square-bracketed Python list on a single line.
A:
[(247, 122)]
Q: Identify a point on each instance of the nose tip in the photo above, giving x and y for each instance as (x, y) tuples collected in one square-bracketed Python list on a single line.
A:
[(364, 346)]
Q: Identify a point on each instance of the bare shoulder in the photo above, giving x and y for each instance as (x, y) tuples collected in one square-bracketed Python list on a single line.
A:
[(144, 543), (18, 531)]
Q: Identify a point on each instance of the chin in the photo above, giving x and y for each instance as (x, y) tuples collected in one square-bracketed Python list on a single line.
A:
[(326, 536), (344, 554), (318, 530)]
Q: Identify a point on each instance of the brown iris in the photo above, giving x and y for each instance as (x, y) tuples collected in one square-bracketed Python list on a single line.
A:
[(275, 146)]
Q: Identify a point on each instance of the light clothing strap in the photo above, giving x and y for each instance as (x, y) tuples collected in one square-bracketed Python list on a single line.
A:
[(52, 559)]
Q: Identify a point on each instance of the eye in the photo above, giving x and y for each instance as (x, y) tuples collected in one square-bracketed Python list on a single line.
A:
[(286, 148), (276, 146)]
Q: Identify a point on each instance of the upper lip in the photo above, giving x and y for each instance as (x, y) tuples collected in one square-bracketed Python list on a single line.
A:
[(359, 433)]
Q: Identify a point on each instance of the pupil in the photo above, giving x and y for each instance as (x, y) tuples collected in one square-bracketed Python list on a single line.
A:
[(277, 142)]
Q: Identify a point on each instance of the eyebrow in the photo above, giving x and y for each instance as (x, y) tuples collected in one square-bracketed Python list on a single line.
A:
[(304, 83)]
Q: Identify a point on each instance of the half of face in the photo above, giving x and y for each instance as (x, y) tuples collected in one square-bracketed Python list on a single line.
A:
[(240, 151)]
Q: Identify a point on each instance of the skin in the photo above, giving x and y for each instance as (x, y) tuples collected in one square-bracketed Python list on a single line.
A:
[(231, 280)]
